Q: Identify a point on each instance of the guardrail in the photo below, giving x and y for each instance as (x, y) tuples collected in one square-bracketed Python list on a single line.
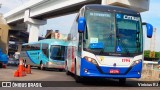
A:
[(150, 65), (151, 71)]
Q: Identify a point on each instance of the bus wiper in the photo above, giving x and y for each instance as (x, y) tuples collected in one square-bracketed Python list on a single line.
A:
[(123, 45), (110, 37)]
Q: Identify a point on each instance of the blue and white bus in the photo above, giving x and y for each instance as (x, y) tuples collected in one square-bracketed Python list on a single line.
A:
[(47, 53), (106, 42)]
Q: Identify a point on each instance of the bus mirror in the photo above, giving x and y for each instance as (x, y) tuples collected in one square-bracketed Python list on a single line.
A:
[(149, 28), (81, 24)]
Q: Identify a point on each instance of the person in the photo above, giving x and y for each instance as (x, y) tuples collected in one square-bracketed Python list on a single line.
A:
[(16, 55)]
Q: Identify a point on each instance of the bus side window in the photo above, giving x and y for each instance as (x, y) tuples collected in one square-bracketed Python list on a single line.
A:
[(47, 52), (45, 49)]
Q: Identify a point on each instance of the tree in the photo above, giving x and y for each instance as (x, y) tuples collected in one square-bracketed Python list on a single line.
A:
[(157, 54), (146, 53)]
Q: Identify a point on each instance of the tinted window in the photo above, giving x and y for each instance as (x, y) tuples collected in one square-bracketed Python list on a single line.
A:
[(100, 29), (45, 49), (57, 52)]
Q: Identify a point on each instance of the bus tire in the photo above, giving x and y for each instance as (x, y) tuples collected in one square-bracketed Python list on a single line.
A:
[(67, 71), (77, 78), (41, 66), (46, 68), (122, 81)]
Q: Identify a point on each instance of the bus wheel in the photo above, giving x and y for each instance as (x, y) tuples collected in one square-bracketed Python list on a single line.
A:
[(122, 81), (67, 72), (77, 78), (66, 69), (41, 66)]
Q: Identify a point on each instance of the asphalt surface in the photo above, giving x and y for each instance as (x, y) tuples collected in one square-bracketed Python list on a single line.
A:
[(60, 81)]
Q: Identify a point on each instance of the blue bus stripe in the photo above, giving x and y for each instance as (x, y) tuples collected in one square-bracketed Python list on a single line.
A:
[(30, 58)]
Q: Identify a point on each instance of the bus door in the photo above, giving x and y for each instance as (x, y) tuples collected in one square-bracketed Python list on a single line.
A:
[(44, 55), (79, 53), (69, 59)]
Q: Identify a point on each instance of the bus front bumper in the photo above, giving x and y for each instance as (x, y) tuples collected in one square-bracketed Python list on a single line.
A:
[(54, 65), (90, 70)]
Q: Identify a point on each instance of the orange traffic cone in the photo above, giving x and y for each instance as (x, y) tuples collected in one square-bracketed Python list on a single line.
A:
[(28, 69), (25, 69), (16, 74), (21, 71)]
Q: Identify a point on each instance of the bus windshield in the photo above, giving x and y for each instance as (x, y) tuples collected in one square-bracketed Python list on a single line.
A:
[(57, 52), (115, 33), (129, 33)]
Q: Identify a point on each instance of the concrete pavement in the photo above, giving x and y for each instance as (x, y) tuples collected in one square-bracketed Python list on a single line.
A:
[(62, 78)]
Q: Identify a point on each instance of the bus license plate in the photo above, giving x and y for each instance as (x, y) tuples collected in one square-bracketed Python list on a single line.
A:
[(114, 71)]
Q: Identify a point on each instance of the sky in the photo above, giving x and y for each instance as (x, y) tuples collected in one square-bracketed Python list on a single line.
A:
[(64, 23)]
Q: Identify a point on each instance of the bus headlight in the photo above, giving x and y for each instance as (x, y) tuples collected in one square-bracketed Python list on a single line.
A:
[(91, 60), (136, 62)]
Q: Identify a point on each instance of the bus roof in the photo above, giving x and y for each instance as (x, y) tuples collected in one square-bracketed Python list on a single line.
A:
[(31, 43), (109, 8), (55, 42), (50, 42)]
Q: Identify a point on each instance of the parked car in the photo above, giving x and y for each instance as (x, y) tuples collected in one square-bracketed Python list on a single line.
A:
[(13, 62)]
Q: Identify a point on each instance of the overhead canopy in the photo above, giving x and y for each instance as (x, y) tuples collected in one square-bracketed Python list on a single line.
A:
[(137, 5)]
